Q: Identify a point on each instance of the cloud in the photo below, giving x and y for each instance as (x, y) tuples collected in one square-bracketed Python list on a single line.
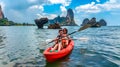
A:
[(51, 2), (63, 10), (40, 7), (63, 2), (17, 15), (98, 0), (88, 8), (50, 16), (38, 11), (112, 1), (96, 8), (2, 5), (109, 5), (32, 1)]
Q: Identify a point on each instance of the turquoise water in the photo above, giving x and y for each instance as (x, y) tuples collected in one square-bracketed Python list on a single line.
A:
[(23, 46)]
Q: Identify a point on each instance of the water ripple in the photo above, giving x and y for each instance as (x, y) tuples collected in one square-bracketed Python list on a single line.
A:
[(23, 46)]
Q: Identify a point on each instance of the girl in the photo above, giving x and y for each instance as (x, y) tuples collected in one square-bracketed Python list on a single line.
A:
[(65, 38)]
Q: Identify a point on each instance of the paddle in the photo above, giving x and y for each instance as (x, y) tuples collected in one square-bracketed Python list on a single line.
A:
[(80, 29), (81, 39)]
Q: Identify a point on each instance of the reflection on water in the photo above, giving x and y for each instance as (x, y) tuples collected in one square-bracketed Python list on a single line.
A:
[(22, 46)]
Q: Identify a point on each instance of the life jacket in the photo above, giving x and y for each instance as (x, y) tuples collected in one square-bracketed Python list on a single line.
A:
[(65, 41)]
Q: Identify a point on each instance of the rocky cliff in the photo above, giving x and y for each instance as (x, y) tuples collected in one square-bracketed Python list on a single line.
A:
[(58, 21), (65, 21), (40, 22), (102, 22), (54, 26), (1, 13), (95, 23), (85, 21), (70, 17)]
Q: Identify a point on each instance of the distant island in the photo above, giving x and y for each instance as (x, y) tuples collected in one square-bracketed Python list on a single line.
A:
[(5, 22), (95, 23), (65, 21), (58, 21)]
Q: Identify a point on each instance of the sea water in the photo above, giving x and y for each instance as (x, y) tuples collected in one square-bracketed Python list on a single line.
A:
[(93, 47)]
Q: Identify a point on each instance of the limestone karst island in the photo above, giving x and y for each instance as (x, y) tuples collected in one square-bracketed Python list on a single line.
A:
[(58, 21)]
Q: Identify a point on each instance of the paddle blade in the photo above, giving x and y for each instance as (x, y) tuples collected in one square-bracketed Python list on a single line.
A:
[(85, 27), (49, 40), (82, 39), (81, 28)]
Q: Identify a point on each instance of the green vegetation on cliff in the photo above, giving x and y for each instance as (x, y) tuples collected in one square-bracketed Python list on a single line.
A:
[(6, 22)]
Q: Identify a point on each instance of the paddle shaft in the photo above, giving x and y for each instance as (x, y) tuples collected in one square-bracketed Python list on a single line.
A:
[(72, 32), (82, 28)]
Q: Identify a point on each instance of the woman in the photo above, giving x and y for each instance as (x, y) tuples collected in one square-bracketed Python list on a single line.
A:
[(65, 38)]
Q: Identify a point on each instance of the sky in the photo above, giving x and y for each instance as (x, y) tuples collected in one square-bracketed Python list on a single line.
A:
[(27, 10)]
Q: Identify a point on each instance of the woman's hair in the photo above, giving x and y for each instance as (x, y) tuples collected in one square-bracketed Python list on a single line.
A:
[(60, 30), (65, 29)]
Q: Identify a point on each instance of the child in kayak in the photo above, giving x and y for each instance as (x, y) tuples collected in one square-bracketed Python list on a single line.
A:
[(58, 41)]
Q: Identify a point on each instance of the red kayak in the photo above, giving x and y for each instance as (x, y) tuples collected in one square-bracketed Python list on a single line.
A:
[(53, 56)]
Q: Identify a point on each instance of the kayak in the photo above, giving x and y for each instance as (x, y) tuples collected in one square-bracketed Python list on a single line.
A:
[(53, 56)]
